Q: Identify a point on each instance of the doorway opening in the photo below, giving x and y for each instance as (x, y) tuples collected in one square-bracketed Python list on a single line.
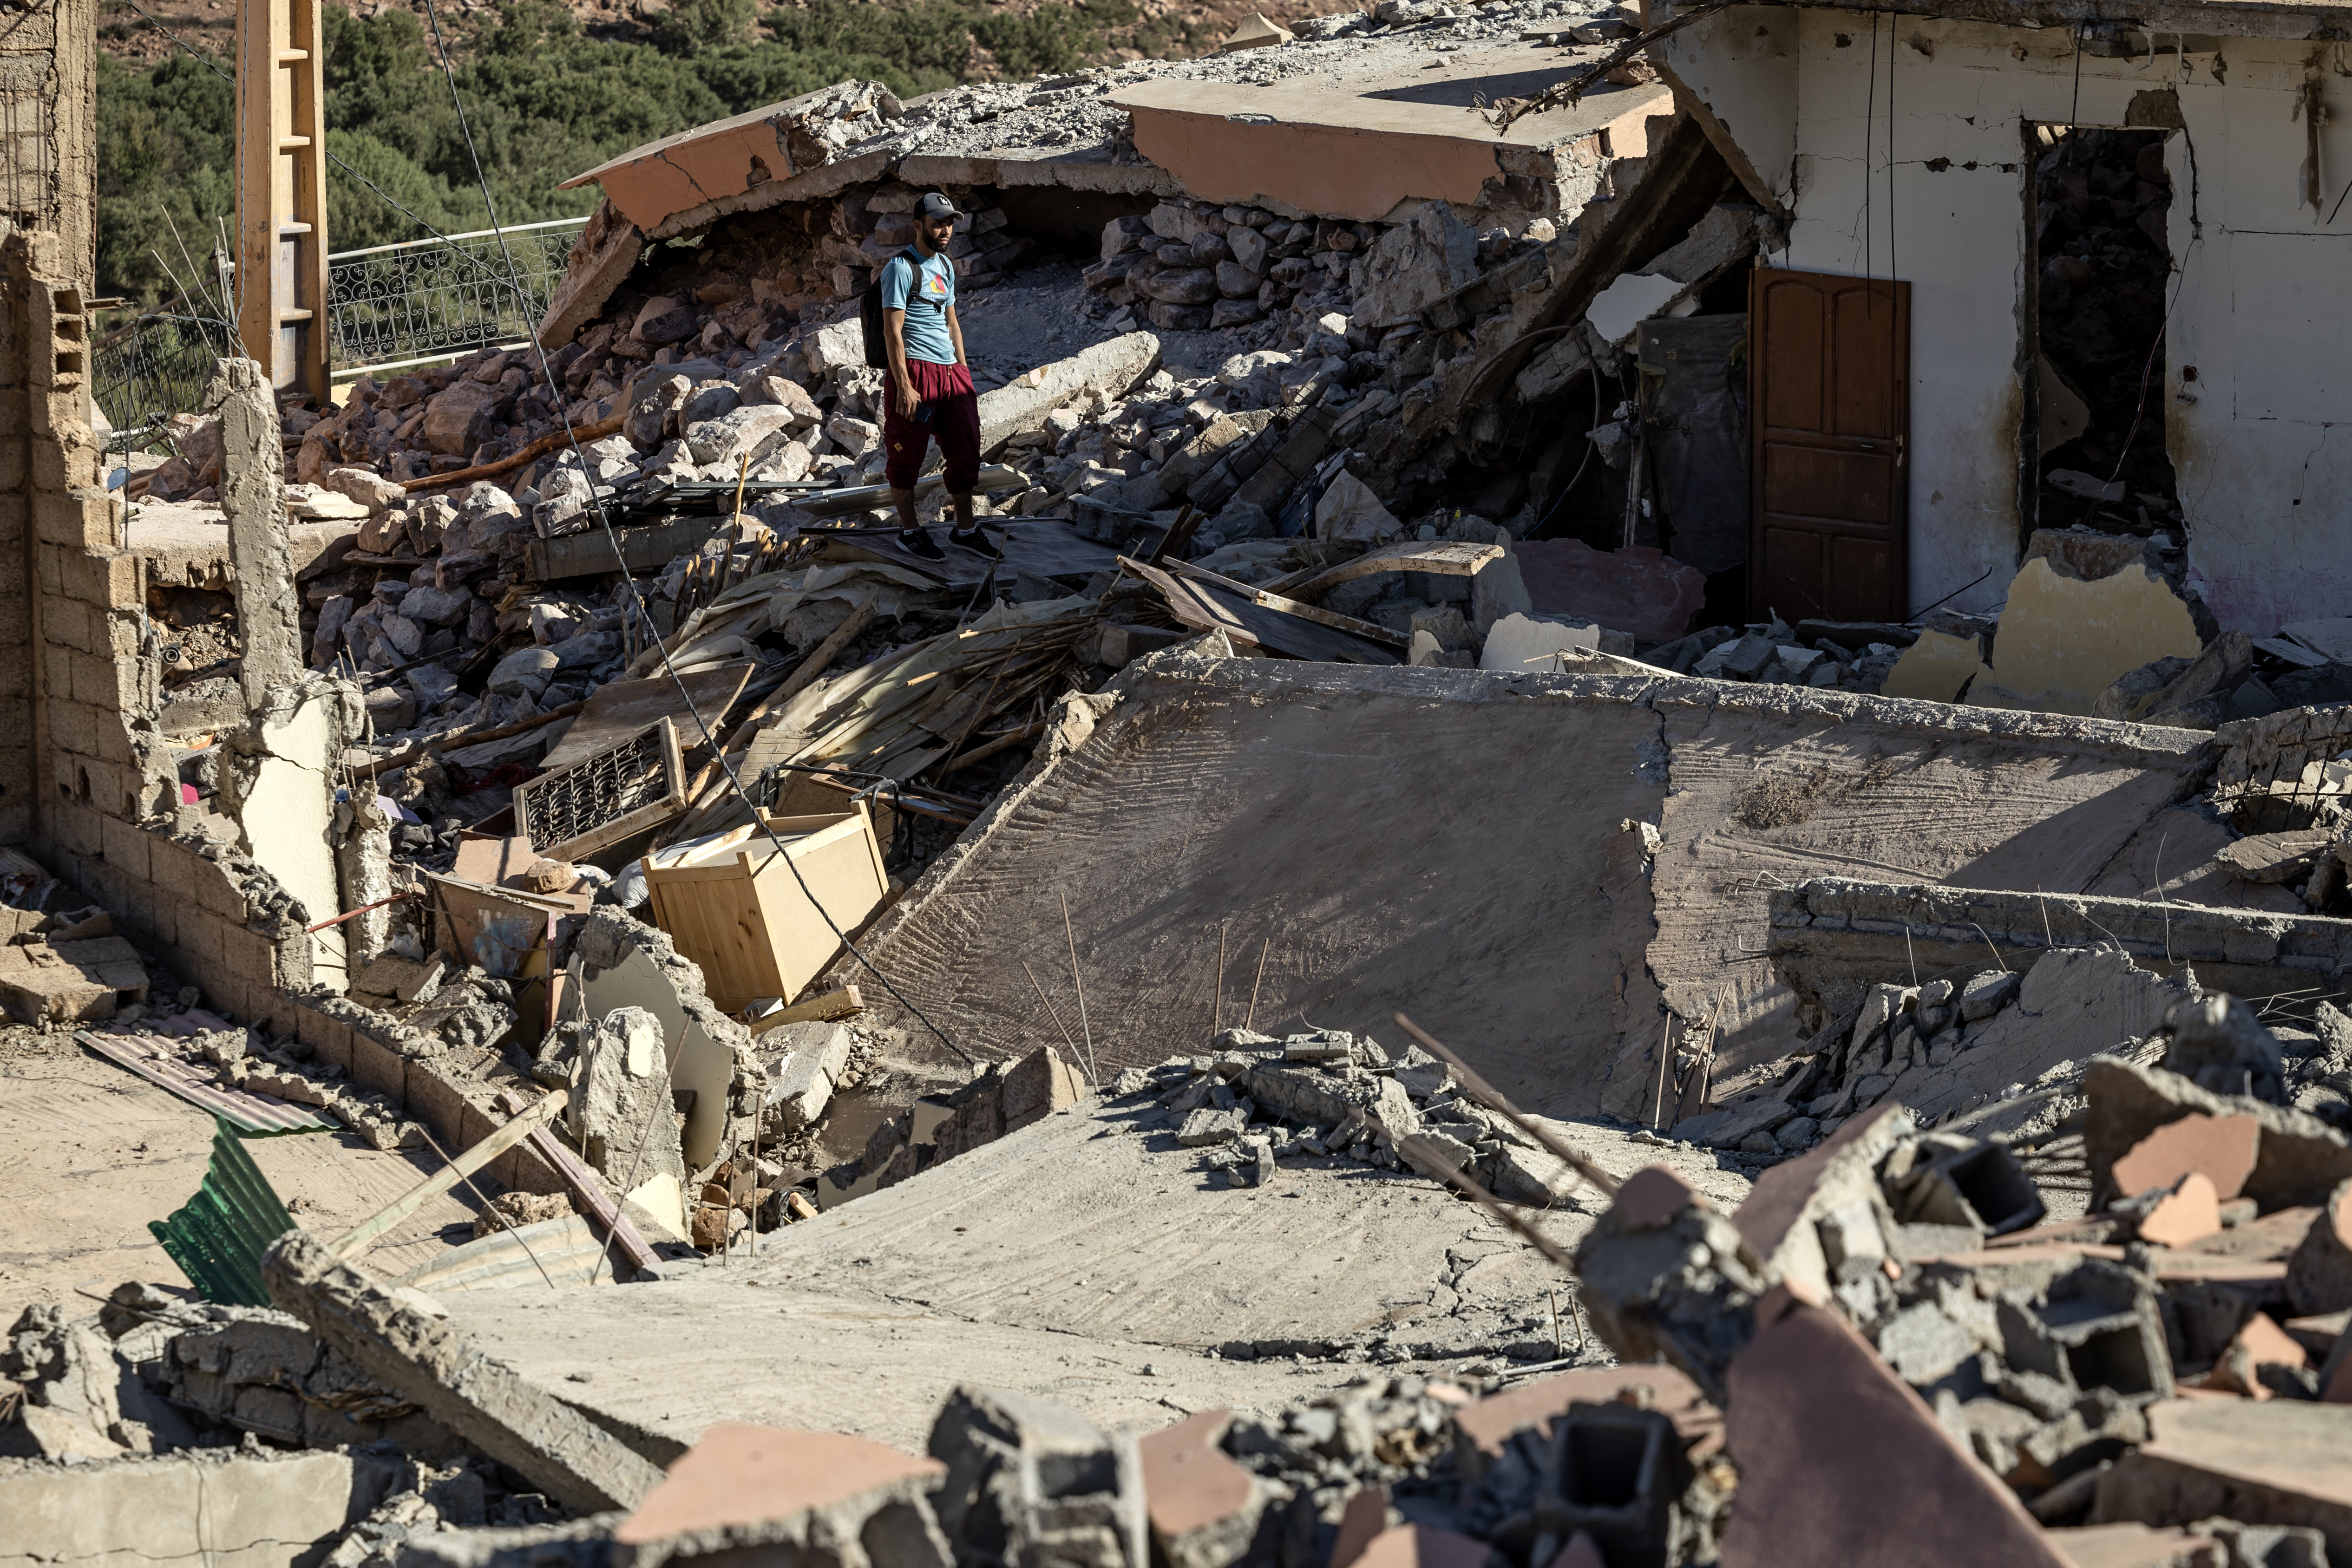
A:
[(2101, 282)]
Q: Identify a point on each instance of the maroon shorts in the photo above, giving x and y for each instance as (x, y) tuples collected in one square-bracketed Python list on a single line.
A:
[(954, 422)]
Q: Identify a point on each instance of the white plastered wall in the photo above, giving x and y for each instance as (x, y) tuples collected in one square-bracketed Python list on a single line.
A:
[(2263, 452)]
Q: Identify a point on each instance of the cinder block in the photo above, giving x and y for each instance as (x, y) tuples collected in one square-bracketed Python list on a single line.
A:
[(13, 514), (73, 728), (63, 516), (435, 1104), (109, 580), (126, 848), (12, 449), (66, 622), (56, 673), (172, 867), (50, 563), (474, 1124), (374, 1067), (96, 679), (77, 828), (199, 941)]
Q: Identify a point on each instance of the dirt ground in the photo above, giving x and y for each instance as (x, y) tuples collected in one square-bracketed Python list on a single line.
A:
[(96, 1152)]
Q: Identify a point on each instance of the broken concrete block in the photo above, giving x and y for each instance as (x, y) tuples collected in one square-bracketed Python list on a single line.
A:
[(1203, 1508), (1841, 1462), (805, 1497), (1520, 645), (1348, 510), (230, 1509), (426, 1361), (1987, 993), (2063, 640), (1036, 1086), (2319, 1271), (2280, 1462), (1207, 1128), (1030, 1480), (800, 1084), (2249, 1364), (2218, 1043), (2298, 1161), (2224, 1147), (622, 1113), (70, 982)]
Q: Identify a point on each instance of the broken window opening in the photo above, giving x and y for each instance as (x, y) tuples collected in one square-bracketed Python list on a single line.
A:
[(2098, 201)]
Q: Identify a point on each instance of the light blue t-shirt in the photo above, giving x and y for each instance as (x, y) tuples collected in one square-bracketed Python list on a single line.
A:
[(925, 294)]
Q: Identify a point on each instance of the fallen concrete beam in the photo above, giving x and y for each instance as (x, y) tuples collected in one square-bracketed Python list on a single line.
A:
[(1109, 368), (246, 1511), (515, 1422), (253, 494), (601, 256)]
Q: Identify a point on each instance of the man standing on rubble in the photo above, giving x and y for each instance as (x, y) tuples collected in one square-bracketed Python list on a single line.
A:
[(929, 393)]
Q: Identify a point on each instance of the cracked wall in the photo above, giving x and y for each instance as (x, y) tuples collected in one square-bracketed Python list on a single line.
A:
[(2256, 315), (1543, 870)]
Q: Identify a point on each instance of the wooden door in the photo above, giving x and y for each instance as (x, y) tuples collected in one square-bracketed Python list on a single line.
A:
[(1829, 362)]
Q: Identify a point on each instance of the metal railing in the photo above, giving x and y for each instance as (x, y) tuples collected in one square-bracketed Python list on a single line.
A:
[(159, 363), (388, 307), (396, 304)]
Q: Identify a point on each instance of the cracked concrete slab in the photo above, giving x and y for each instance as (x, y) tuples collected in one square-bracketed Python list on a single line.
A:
[(1059, 1261), (1468, 847)]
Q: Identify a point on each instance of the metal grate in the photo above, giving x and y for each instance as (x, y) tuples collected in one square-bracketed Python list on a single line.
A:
[(158, 365), (396, 303), (599, 800)]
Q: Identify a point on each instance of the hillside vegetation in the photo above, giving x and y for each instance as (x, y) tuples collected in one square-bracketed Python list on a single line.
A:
[(543, 100)]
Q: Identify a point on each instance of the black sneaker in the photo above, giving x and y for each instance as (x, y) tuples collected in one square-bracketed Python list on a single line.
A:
[(919, 541), (975, 541)]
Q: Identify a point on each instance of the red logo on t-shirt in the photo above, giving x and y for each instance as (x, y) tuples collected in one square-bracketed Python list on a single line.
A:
[(935, 286)]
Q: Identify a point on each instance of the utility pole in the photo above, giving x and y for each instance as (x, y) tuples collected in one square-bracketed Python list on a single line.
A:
[(282, 190)]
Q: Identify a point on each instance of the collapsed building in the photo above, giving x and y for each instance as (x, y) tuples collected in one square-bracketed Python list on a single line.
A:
[(546, 770)]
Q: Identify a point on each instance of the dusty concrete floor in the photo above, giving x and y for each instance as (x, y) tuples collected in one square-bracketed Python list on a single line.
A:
[(1062, 1259), (95, 1153)]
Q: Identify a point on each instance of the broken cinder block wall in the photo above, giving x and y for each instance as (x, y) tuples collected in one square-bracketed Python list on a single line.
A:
[(86, 783)]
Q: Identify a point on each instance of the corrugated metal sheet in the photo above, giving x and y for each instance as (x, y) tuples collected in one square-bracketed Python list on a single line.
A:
[(217, 1238), (152, 1058), (567, 1249)]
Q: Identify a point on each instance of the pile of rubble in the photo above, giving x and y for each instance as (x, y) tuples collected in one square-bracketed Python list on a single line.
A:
[(1328, 1096)]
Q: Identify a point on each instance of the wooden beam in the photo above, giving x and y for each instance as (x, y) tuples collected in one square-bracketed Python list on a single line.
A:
[(841, 1003), (354, 1240), (282, 191), (1367, 630), (1445, 559), (583, 433), (588, 1193)]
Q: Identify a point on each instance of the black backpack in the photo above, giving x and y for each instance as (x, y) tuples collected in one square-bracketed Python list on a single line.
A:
[(870, 312)]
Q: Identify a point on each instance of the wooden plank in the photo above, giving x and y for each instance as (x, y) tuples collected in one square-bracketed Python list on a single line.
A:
[(1369, 631), (1440, 560), (623, 708), (1212, 604), (586, 1191), (841, 1003), (350, 1244), (643, 548)]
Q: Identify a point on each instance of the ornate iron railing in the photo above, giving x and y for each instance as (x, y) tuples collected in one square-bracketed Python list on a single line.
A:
[(387, 306), (394, 304), (159, 363)]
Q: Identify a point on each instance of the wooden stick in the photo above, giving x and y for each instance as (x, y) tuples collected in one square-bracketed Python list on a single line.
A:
[(539, 448), (807, 670), (459, 738), (1252, 1019), (1487, 1094), (841, 1003), (1079, 981), (588, 1193), (505, 1220), (1049, 1007), (352, 1241), (991, 748)]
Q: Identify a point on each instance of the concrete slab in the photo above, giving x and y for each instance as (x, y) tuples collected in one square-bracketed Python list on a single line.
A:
[(224, 1511), (2276, 1462), (1059, 1261), (1387, 133), (1466, 846)]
